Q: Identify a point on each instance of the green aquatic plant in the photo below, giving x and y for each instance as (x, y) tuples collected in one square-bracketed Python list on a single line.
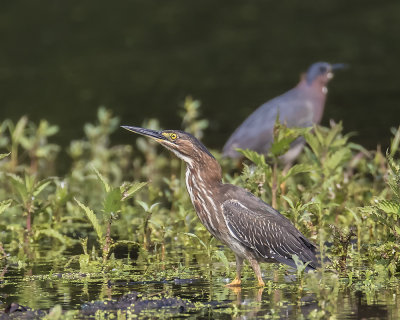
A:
[(345, 198), (146, 227), (211, 252), (95, 150), (27, 191), (190, 118), (33, 140), (342, 241), (111, 208)]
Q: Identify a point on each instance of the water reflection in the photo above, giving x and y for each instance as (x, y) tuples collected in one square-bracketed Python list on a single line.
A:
[(45, 283)]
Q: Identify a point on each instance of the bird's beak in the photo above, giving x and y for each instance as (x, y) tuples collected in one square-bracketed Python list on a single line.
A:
[(337, 66), (156, 135)]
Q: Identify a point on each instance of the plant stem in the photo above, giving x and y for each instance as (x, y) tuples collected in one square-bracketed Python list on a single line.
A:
[(2, 251), (14, 157), (107, 243), (274, 186), (28, 222), (147, 232)]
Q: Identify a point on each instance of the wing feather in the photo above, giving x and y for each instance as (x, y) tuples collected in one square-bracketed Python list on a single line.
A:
[(270, 235)]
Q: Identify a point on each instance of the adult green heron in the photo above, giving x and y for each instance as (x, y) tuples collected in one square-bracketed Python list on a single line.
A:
[(247, 225), (299, 107)]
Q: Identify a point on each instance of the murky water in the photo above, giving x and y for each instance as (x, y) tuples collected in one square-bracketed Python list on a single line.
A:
[(45, 283)]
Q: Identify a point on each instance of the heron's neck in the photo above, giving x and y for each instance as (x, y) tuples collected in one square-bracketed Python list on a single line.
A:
[(208, 173), (202, 182)]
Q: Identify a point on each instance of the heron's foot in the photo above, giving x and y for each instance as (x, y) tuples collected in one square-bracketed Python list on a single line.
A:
[(261, 283), (235, 283)]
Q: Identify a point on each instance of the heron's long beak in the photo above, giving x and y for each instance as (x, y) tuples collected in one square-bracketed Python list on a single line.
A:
[(337, 66), (146, 132)]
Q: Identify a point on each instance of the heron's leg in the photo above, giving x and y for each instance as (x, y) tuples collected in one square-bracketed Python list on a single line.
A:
[(237, 281), (257, 271)]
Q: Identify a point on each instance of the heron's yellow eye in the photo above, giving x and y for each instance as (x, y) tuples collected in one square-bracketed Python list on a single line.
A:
[(173, 136)]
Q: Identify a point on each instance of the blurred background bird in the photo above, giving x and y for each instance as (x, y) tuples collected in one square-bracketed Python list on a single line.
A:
[(251, 228), (301, 106)]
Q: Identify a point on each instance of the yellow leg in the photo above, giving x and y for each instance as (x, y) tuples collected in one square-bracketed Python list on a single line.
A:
[(237, 281), (257, 271)]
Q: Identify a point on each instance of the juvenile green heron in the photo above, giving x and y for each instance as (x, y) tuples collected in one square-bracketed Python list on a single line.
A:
[(299, 107), (248, 226)]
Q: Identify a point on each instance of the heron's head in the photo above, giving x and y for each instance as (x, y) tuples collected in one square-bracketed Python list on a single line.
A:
[(322, 72), (183, 144)]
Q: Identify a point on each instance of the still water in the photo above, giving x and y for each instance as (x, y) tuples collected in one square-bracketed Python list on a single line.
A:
[(189, 279), (61, 60)]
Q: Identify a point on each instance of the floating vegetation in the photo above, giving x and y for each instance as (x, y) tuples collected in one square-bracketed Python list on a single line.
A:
[(119, 227)]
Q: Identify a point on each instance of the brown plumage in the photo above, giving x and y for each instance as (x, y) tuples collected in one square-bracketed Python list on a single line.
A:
[(247, 225)]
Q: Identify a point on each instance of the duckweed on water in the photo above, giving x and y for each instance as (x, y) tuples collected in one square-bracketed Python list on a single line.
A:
[(120, 221)]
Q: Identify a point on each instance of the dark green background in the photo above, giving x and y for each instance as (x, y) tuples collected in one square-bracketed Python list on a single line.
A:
[(60, 60)]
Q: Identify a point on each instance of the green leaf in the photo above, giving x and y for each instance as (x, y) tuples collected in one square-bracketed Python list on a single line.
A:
[(300, 265), (394, 146), (3, 155), (253, 156), (40, 186), (84, 260), (313, 143), (93, 219), (298, 168), (144, 205), (318, 132), (332, 134), (102, 179), (4, 205), (18, 131), (389, 206), (51, 130), (288, 200), (337, 158), (129, 190), (153, 206), (221, 257), (196, 237), (397, 229), (281, 146), (112, 202), (19, 186)]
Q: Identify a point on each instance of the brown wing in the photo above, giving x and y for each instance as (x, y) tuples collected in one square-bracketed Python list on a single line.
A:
[(269, 233)]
